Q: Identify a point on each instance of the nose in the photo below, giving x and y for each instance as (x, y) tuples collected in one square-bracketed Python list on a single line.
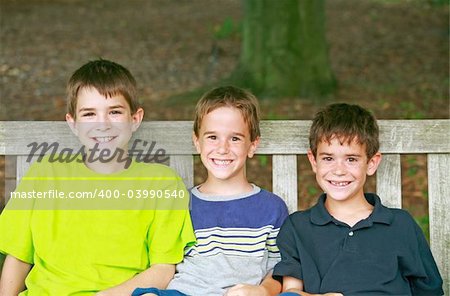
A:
[(104, 122), (339, 169), (223, 147)]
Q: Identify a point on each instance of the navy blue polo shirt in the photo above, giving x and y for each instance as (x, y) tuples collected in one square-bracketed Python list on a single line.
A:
[(384, 254)]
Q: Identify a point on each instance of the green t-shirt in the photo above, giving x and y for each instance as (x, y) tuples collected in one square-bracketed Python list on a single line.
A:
[(83, 251)]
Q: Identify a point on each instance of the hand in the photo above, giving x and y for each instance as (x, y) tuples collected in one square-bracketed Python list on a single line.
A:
[(247, 290)]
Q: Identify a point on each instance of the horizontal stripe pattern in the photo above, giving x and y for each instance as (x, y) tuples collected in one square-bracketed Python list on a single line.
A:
[(235, 242)]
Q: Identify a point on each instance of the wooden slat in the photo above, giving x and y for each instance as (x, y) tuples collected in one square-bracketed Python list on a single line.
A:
[(184, 165), (389, 184), (284, 174), (174, 137), (284, 137), (22, 167), (3, 139), (439, 213), (10, 176), (278, 137), (414, 136), (10, 166)]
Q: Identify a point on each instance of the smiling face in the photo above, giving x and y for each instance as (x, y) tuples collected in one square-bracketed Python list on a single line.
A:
[(341, 169), (107, 122), (224, 144)]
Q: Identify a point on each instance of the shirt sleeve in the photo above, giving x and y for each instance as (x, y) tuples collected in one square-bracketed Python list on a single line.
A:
[(170, 232), (424, 278), (290, 264), (15, 238), (271, 243)]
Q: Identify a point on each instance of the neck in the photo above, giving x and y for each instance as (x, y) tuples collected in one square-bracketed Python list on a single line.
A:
[(349, 211), (219, 187)]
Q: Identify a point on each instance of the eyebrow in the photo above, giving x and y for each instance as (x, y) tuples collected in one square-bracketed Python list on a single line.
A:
[(110, 107), (234, 134), (348, 155), (116, 107)]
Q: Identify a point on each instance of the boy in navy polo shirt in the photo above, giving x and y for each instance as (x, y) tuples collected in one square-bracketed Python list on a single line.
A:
[(349, 242)]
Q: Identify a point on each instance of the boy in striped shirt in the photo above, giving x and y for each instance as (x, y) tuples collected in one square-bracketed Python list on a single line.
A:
[(236, 222)]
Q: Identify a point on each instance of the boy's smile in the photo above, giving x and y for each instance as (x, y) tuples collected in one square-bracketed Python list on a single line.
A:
[(341, 169), (103, 139), (224, 145), (221, 162)]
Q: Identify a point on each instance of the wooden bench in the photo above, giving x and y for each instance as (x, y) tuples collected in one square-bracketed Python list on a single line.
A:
[(284, 140)]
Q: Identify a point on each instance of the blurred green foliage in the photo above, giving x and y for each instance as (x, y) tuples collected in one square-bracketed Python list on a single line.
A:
[(227, 29), (312, 190), (411, 111), (424, 223), (430, 2), (263, 160)]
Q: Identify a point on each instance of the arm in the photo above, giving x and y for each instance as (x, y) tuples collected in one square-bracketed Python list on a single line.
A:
[(291, 284), (12, 280), (268, 287), (426, 279), (157, 276), (273, 287)]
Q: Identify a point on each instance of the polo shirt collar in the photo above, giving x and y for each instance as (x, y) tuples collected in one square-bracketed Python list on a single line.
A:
[(380, 214), (319, 214)]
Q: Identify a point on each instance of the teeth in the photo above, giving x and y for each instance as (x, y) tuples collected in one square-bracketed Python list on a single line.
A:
[(340, 183), (103, 139), (221, 162)]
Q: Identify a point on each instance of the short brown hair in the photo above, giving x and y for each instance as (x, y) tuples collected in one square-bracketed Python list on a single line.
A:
[(229, 96), (346, 123), (108, 78)]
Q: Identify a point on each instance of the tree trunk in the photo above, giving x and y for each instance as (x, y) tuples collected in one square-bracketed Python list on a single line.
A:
[(284, 50)]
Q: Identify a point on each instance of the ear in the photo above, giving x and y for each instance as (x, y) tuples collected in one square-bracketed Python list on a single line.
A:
[(312, 160), (196, 142), (72, 124), (137, 119), (373, 164), (253, 146)]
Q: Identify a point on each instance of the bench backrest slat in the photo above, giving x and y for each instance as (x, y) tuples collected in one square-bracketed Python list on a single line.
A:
[(22, 167), (278, 137), (184, 165), (439, 213), (284, 140), (284, 179), (389, 184)]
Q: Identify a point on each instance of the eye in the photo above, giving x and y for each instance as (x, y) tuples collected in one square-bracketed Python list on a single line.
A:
[(327, 158), (88, 114), (211, 137), (115, 112), (352, 159), (235, 139)]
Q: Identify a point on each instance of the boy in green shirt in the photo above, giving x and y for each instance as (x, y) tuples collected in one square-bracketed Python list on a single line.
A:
[(96, 237)]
